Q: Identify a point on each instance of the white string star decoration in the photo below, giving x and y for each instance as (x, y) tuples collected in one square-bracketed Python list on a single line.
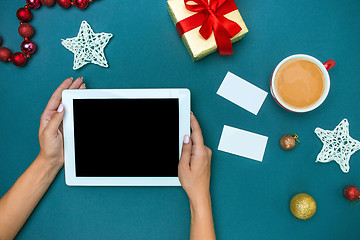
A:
[(88, 47), (338, 145)]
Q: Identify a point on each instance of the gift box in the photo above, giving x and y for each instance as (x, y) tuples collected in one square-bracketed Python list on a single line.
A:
[(206, 26)]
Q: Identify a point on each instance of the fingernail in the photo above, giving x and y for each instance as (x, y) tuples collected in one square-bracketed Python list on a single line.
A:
[(81, 78), (191, 112), (60, 108), (186, 139), (71, 78), (83, 84)]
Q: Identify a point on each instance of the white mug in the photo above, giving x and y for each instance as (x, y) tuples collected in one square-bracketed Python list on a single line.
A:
[(324, 69)]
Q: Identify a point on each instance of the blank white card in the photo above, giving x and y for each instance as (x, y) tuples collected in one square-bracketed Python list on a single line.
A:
[(242, 93), (243, 143)]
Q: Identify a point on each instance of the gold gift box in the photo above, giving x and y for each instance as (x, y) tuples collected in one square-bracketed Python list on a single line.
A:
[(197, 46)]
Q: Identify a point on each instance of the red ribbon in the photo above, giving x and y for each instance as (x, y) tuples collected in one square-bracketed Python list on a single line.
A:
[(211, 18)]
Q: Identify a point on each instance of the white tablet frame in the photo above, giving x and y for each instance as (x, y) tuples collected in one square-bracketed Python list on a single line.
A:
[(68, 129)]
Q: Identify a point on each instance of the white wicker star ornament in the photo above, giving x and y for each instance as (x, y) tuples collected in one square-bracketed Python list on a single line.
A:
[(338, 145), (88, 47)]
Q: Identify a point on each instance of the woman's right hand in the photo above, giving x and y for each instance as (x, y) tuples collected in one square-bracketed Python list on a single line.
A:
[(194, 174), (194, 166)]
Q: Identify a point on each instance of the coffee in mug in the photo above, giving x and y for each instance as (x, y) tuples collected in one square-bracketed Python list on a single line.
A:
[(300, 83)]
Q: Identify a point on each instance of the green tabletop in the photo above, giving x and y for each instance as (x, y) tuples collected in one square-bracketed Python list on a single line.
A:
[(250, 199)]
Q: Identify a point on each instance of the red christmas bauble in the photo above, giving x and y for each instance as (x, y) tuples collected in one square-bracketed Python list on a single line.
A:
[(34, 4), (24, 14), (18, 59), (48, 3), (351, 193), (82, 4), (64, 3), (26, 30), (5, 54), (28, 47)]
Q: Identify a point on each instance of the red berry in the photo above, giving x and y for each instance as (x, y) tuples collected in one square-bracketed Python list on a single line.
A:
[(5, 54), (48, 3), (64, 3), (28, 47), (351, 193), (34, 4), (19, 59), (24, 14), (26, 30), (82, 4)]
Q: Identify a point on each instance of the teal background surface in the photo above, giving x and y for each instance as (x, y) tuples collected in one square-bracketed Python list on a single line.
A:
[(250, 199)]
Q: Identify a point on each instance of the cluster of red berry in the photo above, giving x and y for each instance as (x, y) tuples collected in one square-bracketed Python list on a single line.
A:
[(26, 31)]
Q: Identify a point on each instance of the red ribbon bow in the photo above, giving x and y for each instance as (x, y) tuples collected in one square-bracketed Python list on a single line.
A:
[(211, 18)]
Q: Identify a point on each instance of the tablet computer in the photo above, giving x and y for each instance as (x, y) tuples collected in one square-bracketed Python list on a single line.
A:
[(124, 137)]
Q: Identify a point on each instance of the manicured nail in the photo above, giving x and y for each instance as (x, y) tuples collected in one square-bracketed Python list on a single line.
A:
[(71, 78), (83, 85), (191, 112), (60, 108), (81, 78), (186, 139)]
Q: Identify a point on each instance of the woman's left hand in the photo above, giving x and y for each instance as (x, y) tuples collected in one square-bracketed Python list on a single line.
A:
[(51, 132)]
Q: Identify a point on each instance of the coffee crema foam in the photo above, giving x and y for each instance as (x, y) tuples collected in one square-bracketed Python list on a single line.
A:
[(299, 83)]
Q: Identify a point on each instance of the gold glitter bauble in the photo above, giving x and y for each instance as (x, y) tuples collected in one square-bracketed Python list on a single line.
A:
[(287, 142), (303, 206)]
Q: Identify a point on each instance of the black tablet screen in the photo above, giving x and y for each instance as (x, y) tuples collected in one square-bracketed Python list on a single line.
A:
[(126, 137)]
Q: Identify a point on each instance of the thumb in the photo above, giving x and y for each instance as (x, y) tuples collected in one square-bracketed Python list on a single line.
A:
[(56, 120), (186, 151)]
